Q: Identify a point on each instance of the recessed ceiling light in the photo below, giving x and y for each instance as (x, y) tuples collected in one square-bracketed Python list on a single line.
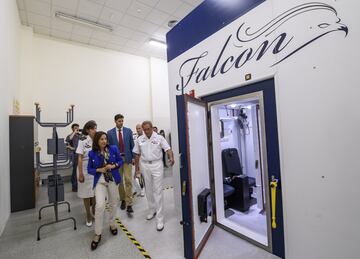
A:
[(157, 43), (138, 10)]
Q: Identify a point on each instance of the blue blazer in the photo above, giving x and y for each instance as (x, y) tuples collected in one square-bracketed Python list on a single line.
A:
[(128, 142), (96, 161)]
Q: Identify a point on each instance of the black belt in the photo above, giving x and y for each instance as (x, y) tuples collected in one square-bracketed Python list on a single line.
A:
[(122, 154)]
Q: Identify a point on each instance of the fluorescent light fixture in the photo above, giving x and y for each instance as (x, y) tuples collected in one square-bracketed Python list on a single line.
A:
[(234, 105), (71, 18), (157, 43)]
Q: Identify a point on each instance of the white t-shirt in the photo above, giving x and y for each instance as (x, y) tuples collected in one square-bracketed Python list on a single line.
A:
[(151, 148)]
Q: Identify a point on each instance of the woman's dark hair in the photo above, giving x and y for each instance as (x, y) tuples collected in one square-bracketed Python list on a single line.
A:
[(97, 137), (88, 125)]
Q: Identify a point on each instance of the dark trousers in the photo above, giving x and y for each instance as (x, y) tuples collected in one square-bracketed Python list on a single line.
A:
[(74, 168), (164, 158)]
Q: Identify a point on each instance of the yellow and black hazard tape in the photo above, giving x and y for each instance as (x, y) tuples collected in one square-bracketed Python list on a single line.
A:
[(132, 239), (130, 236), (168, 188)]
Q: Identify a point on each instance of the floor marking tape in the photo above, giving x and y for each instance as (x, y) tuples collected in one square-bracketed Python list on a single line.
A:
[(130, 236)]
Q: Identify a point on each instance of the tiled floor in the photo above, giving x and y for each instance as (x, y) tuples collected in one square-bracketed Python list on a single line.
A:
[(61, 241)]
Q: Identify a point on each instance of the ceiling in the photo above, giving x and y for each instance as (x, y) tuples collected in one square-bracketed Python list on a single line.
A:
[(134, 22)]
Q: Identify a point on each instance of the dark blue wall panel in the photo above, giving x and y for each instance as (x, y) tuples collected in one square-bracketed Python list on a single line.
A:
[(209, 17)]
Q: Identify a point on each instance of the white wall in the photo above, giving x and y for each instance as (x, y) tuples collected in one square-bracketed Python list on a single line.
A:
[(319, 142), (9, 88), (99, 82), (160, 94)]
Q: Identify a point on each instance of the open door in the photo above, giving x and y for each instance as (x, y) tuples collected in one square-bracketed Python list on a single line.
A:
[(195, 174), (256, 204)]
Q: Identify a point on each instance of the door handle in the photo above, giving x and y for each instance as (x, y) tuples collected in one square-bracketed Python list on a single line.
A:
[(273, 186), (183, 189)]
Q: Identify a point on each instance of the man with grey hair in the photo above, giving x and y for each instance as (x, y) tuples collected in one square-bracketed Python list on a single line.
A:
[(148, 160)]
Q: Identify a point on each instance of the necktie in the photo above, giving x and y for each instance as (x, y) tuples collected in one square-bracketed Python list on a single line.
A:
[(121, 143)]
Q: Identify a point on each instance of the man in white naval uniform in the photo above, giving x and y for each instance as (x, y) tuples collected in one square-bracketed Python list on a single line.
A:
[(148, 160)]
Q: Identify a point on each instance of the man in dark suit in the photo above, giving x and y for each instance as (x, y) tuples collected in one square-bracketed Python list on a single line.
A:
[(123, 138)]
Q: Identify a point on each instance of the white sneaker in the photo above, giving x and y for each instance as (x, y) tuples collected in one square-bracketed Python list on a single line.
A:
[(89, 224), (159, 226), (142, 193), (150, 216)]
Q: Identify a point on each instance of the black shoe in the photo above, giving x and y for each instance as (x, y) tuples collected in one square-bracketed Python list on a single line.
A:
[(113, 231), (129, 209), (123, 205), (94, 244), (74, 189)]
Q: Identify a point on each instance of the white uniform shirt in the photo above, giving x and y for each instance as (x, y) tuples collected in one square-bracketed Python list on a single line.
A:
[(150, 149), (83, 148)]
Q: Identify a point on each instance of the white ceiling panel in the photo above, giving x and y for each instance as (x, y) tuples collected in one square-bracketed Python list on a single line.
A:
[(160, 34), (60, 34), (139, 36), (89, 8), (68, 4), (37, 7), (87, 17), (98, 43), (139, 10), (123, 31), (82, 30), (61, 25), (117, 40), (131, 22), (134, 22), (98, 1), (148, 27), (81, 39), (38, 19), (194, 2), (151, 3), (183, 10), (158, 17), (41, 30), (99, 35), (109, 15), (169, 6), (120, 5), (56, 8)]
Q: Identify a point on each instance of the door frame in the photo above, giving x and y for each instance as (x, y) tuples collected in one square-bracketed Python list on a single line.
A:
[(248, 97), (271, 140), (185, 175)]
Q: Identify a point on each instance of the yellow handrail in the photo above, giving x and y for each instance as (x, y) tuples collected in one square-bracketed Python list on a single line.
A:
[(273, 186)]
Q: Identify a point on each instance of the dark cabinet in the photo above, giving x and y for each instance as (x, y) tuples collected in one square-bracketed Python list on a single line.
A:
[(22, 172)]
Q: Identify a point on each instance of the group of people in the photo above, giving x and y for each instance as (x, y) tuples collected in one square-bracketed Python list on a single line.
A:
[(102, 170)]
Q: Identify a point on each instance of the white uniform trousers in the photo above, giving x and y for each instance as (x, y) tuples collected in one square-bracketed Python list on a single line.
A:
[(103, 190), (153, 175)]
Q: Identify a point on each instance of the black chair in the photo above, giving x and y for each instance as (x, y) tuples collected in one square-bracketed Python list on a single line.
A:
[(233, 175), (228, 192)]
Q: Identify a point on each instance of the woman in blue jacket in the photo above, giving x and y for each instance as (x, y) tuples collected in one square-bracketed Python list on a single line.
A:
[(104, 164)]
